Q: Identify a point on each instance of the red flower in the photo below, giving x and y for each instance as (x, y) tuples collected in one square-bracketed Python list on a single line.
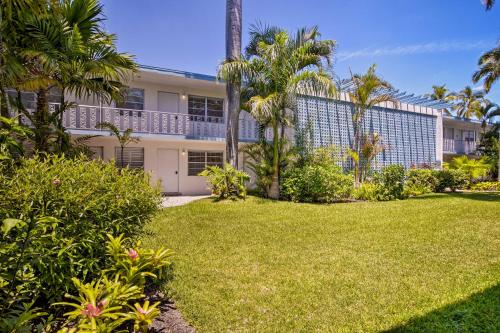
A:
[(91, 311), (142, 311), (56, 181), (132, 254)]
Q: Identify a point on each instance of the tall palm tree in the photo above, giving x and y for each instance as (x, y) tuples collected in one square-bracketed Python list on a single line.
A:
[(468, 103), (233, 87), (487, 112), (68, 48), (489, 68), (441, 93), (277, 70), (368, 91)]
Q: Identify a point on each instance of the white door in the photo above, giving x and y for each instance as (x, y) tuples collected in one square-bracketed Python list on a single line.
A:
[(168, 169), (168, 102)]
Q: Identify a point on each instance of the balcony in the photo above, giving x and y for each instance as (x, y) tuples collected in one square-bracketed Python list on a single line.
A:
[(459, 146), (86, 117)]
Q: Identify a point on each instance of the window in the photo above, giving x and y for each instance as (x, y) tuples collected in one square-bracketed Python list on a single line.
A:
[(97, 152), (199, 160), (28, 99), (132, 157), (134, 99), (207, 109)]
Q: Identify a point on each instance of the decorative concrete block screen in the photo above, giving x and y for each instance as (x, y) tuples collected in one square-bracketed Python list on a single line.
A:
[(409, 137)]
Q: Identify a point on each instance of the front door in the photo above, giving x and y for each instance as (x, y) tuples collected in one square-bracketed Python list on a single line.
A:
[(168, 169)]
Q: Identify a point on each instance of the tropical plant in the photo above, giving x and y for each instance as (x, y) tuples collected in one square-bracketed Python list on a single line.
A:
[(368, 91), (487, 112), (419, 181), (488, 148), (66, 48), (450, 179), (389, 182), (371, 146), (467, 102), (489, 68), (12, 136), (486, 186), (124, 139), (276, 71), (441, 93), (57, 212), (473, 168), (105, 304), (226, 182), (233, 87)]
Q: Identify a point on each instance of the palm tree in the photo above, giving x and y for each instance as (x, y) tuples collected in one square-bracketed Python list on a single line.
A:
[(489, 68), (487, 112), (488, 4), (468, 103), (277, 70), (368, 91), (124, 139), (67, 48), (441, 93), (371, 146), (233, 87)]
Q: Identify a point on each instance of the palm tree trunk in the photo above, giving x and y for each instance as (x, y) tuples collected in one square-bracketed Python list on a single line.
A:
[(41, 124), (122, 148), (274, 189), (233, 89), (4, 106)]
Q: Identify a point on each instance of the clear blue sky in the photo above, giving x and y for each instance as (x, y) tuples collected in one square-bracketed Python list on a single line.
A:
[(414, 43)]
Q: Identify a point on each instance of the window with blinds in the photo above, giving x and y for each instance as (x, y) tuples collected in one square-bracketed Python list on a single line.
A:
[(199, 160), (134, 99), (133, 157), (207, 109)]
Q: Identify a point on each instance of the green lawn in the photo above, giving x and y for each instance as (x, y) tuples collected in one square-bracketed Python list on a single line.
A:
[(430, 264)]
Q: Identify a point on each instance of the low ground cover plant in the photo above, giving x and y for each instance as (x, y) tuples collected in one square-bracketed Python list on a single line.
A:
[(486, 186), (226, 182), (57, 213)]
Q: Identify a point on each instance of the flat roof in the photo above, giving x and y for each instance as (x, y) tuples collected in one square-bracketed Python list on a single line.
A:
[(176, 72)]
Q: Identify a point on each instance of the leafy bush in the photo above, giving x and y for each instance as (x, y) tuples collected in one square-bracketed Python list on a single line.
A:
[(486, 186), (450, 179), (56, 214), (419, 181), (366, 191), (227, 182), (390, 182), (316, 183), (472, 168), (111, 302)]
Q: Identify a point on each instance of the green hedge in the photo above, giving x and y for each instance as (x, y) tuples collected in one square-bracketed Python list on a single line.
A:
[(486, 186)]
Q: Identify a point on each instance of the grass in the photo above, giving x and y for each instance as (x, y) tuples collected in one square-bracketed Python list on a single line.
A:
[(430, 264)]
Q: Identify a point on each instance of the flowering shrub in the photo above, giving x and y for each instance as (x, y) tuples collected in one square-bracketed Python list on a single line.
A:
[(116, 300), (55, 214)]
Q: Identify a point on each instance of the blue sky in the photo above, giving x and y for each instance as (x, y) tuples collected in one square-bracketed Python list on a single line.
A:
[(415, 44)]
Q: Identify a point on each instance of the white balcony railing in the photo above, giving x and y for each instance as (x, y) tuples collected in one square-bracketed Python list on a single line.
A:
[(459, 146), (86, 117)]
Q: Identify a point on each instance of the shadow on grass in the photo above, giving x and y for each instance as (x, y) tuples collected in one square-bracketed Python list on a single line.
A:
[(481, 196), (478, 313)]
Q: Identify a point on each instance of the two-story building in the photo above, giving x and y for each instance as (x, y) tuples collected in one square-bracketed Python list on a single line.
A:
[(180, 118)]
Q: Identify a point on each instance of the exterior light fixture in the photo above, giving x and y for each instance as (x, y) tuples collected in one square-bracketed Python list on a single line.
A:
[(183, 95), (183, 152)]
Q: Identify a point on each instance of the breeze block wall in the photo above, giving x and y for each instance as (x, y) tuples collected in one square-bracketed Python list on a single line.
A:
[(409, 137)]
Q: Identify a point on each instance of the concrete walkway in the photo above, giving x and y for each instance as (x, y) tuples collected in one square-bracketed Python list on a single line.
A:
[(181, 200)]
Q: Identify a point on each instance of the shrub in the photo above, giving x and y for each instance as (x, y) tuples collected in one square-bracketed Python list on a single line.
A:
[(316, 183), (419, 181), (366, 191), (57, 213), (227, 182), (450, 179), (390, 182), (472, 168), (112, 302), (486, 186)]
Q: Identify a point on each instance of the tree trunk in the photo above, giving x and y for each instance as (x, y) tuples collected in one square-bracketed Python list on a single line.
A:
[(233, 88), (41, 124), (122, 148), (60, 126), (274, 189)]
